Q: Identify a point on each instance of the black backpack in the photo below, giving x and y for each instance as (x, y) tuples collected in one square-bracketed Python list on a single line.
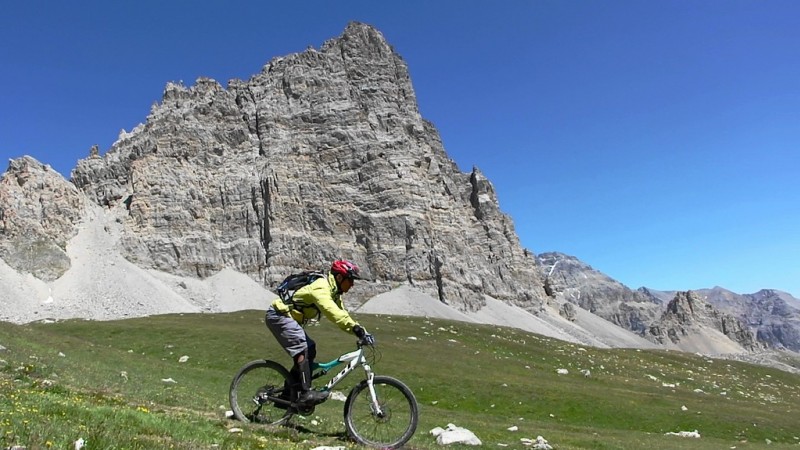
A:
[(295, 281)]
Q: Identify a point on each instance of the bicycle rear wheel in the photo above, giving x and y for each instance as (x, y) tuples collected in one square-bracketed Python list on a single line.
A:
[(397, 421), (250, 388)]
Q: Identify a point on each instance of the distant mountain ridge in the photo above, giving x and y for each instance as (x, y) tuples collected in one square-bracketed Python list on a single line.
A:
[(774, 316), (767, 318), (689, 317), (323, 154), (568, 279)]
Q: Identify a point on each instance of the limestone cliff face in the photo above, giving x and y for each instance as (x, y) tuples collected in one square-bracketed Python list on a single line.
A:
[(323, 154), (39, 213)]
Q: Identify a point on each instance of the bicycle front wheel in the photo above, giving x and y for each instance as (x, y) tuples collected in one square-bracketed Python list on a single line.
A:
[(391, 426), (251, 387)]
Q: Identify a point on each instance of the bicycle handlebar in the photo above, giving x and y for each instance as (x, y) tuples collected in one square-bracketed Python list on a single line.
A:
[(368, 340)]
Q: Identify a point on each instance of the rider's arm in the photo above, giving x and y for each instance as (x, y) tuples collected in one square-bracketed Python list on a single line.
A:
[(321, 293)]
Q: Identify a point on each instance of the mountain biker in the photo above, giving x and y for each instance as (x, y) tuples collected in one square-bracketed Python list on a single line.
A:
[(323, 296)]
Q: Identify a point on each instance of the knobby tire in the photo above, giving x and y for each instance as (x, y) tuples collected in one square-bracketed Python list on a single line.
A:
[(395, 427)]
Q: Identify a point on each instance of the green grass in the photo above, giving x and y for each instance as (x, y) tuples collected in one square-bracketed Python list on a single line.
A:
[(102, 381)]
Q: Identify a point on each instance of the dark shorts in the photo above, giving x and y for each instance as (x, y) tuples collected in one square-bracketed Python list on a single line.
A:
[(290, 335)]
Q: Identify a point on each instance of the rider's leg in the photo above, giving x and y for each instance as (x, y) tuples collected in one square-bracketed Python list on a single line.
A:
[(312, 349), (296, 342), (310, 355), (295, 377), (291, 336), (302, 370)]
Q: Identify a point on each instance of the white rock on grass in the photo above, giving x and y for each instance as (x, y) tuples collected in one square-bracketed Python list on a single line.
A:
[(183, 359), (328, 448), (168, 380), (455, 435), (338, 396), (562, 371), (690, 434), (540, 443)]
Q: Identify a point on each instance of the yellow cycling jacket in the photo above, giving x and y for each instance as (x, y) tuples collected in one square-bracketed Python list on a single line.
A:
[(321, 296)]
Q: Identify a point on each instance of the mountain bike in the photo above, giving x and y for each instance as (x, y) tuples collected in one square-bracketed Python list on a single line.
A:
[(379, 411)]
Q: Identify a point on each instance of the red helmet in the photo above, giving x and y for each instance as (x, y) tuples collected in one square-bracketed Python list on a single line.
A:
[(346, 268)]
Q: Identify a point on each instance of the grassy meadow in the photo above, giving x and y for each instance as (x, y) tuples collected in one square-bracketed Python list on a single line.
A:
[(103, 382)]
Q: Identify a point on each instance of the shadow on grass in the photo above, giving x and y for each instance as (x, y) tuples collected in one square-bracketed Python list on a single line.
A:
[(300, 428)]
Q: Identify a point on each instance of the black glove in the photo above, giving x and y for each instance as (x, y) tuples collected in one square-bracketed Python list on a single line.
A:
[(359, 331), (363, 336)]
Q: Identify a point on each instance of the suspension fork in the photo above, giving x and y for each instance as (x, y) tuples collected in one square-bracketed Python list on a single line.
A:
[(376, 407)]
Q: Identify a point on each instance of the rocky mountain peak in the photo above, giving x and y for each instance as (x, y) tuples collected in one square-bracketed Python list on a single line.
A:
[(654, 295), (683, 307), (776, 295), (568, 279), (360, 39), (323, 154), (688, 315), (773, 315)]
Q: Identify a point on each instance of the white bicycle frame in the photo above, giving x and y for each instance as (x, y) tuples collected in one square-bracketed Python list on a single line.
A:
[(353, 359)]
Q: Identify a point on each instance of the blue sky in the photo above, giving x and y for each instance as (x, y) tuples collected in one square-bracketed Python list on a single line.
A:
[(655, 140)]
